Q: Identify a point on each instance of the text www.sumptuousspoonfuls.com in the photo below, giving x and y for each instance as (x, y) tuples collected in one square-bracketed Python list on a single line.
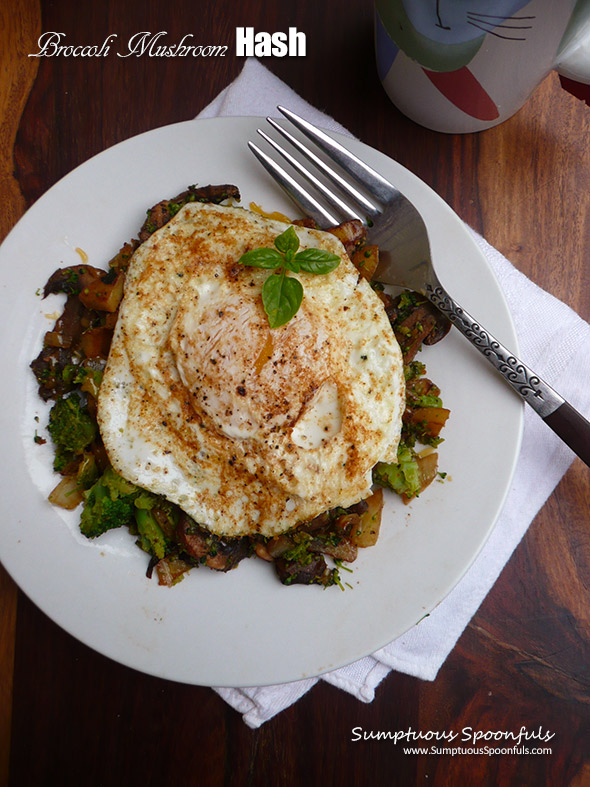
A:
[(466, 741)]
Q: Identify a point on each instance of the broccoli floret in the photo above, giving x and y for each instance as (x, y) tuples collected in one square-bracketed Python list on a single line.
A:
[(101, 513), (113, 502), (403, 477), (151, 537), (71, 427), (62, 459), (413, 370), (109, 503), (88, 378), (428, 400)]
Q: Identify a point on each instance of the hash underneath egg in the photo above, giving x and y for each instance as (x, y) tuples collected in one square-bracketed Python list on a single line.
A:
[(248, 429)]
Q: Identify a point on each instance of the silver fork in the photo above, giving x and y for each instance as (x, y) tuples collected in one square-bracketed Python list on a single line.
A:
[(397, 228)]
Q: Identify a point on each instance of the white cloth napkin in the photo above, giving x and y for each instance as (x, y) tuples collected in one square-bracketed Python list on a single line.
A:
[(541, 321)]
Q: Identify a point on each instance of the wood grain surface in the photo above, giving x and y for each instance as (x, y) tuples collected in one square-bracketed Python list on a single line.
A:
[(70, 716), (20, 26)]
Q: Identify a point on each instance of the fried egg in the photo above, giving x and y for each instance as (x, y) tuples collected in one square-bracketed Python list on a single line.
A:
[(248, 429)]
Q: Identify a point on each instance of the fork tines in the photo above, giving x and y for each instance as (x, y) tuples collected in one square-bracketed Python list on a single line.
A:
[(330, 206)]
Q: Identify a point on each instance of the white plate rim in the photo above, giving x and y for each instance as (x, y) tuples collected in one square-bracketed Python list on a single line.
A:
[(134, 642)]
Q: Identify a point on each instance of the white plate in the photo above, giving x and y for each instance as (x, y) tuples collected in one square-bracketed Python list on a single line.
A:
[(242, 628)]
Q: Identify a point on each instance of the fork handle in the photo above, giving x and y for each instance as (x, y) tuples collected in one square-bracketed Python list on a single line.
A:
[(558, 414)]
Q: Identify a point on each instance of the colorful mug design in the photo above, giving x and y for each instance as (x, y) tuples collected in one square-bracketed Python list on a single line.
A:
[(465, 65)]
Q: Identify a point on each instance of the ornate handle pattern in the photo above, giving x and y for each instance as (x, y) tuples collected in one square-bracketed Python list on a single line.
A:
[(542, 398)]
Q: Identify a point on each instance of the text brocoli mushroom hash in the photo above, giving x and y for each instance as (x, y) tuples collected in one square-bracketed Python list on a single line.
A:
[(235, 384)]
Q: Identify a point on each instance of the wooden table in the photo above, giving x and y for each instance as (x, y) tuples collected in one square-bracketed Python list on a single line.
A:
[(70, 716)]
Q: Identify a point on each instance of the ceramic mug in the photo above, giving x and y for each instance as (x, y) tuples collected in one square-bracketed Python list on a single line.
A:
[(465, 65)]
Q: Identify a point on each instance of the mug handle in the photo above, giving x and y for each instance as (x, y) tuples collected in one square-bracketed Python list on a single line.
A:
[(573, 56)]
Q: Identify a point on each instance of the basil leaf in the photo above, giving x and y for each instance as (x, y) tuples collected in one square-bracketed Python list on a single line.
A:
[(317, 261), (281, 296), (287, 241), (290, 262), (262, 258)]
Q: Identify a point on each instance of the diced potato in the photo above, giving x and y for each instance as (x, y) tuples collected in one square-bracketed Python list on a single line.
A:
[(102, 296), (434, 418), (53, 339), (366, 260), (422, 386), (110, 320), (95, 342), (121, 260), (350, 233), (367, 532)]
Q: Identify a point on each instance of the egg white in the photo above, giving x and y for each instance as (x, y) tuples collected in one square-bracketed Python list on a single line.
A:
[(248, 429)]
